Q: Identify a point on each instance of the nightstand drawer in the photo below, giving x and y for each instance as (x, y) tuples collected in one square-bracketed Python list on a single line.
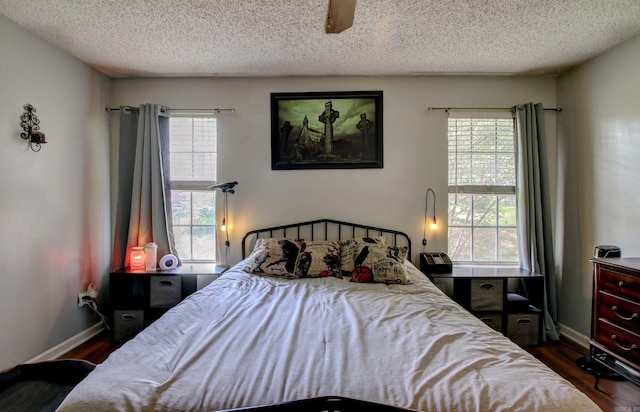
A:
[(165, 291), (487, 294)]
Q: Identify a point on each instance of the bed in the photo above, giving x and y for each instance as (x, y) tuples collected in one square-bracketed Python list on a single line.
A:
[(259, 337)]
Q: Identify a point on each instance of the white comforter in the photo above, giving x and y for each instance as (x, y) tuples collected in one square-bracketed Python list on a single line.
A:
[(250, 340)]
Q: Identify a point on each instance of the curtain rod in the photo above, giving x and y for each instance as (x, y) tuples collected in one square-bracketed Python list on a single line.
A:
[(495, 109), (165, 109)]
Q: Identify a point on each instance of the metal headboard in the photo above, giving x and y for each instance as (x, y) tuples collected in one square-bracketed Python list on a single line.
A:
[(326, 229)]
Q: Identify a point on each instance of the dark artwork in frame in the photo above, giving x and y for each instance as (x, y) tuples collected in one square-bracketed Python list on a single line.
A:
[(326, 130)]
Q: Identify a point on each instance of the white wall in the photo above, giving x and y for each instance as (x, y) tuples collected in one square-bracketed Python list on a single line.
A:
[(415, 146), (599, 171), (54, 204)]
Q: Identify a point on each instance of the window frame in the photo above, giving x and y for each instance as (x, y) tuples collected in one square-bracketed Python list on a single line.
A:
[(195, 186), (482, 189)]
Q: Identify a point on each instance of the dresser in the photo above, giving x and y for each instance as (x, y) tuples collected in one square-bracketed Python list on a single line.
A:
[(137, 297), (508, 299), (615, 334)]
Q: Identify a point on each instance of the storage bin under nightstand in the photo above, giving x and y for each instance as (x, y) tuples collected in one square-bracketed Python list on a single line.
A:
[(507, 299), (524, 328), (138, 298), (165, 291), (493, 320), (127, 324), (487, 295)]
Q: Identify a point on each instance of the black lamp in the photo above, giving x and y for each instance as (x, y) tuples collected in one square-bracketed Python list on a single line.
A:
[(226, 188), (434, 224)]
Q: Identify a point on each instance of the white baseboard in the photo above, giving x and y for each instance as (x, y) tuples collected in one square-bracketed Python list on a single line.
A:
[(64, 347), (574, 335)]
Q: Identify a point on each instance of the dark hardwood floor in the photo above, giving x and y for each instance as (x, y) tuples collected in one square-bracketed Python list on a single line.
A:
[(614, 396), (95, 350), (611, 395)]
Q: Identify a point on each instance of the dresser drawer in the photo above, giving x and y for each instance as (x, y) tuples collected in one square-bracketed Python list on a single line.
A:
[(487, 294), (619, 284), (618, 311), (620, 341)]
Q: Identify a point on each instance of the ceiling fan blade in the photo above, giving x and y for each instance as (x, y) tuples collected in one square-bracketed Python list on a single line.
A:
[(340, 15)]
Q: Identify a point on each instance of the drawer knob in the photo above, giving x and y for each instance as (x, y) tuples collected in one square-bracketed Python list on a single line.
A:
[(165, 283), (632, 317), (622, 284), (633, 346), (486, 286)]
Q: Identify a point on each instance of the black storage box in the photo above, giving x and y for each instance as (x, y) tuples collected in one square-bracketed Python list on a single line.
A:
[(435, 263)]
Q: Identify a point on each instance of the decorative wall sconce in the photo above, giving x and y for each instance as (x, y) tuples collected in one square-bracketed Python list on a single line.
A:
[(434, 224), (31, 126)]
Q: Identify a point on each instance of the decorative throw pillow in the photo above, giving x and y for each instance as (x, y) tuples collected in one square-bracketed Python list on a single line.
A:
[(272, 256), (319, 258), (380, 264), (398, 253), (349, 251)]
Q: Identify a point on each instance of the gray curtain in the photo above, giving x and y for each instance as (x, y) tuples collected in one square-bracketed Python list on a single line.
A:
[(143, 210), (534, 207)]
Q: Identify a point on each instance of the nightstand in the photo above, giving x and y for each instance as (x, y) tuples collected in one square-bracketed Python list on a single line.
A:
[(137, 298), (509, 300)]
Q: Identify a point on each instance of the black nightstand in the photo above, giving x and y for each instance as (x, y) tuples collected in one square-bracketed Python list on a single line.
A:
[(509, 300), (137, 298)]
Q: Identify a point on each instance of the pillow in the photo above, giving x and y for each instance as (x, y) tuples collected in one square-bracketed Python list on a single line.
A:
[(349, 251), (398, 253), (319, 258), (272, 256), (380, 264)]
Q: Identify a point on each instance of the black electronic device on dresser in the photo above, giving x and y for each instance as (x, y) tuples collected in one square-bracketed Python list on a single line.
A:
[(615, 330), (137, 297), (508, 299)]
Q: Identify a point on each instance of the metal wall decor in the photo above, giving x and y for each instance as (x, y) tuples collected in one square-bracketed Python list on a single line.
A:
[(31, 126)]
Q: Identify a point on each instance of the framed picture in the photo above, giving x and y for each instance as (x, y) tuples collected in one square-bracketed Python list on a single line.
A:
[(326, 130)]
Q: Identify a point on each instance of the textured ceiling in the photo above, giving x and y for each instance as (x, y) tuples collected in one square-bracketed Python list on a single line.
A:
[(287, 38)]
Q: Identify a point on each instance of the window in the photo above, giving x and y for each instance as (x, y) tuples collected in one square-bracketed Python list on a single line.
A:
[(192, 169), (482, 190)]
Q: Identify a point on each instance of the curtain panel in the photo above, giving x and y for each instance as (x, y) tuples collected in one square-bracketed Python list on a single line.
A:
[(535, 231), (143, 209)]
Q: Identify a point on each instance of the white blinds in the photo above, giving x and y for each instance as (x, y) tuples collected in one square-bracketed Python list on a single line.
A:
[(193, 150), (481, 155)]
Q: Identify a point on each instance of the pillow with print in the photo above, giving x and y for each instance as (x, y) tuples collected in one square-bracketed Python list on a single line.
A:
[(274, 256), (319, 258), (380, 264), (349, 250)]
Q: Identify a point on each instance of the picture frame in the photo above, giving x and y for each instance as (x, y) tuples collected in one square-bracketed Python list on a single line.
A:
[(326, 130)]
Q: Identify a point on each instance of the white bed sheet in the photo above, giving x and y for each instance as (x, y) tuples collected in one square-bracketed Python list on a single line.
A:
[(252, 340)]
